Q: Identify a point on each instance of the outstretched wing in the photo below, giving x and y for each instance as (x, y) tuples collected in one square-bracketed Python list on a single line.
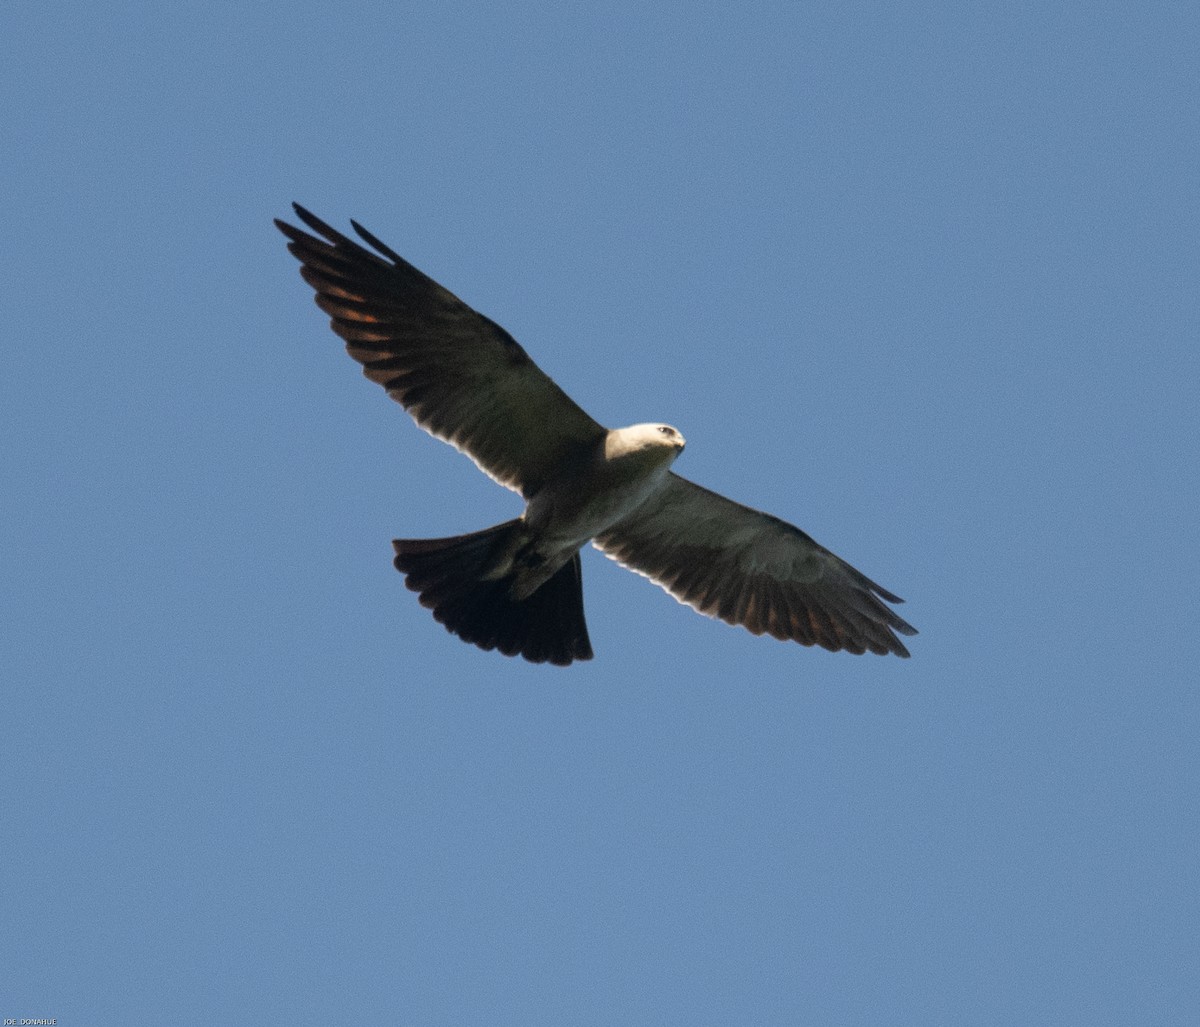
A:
[(746, 567), (461, 376)]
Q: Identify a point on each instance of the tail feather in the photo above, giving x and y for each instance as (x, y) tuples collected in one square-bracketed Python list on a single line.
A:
[(448, 575)]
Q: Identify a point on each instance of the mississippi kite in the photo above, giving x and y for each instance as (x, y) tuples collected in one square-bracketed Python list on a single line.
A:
[(517, 587)]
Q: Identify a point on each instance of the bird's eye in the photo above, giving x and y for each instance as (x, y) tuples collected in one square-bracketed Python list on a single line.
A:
[(664, 430)]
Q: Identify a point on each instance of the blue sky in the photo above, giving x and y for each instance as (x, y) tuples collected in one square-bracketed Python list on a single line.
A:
[(922, 279)]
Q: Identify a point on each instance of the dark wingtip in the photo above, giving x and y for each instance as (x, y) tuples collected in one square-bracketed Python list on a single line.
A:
[(372, 240), (313, 222), (332, 239), (291, 231), (317, 225)]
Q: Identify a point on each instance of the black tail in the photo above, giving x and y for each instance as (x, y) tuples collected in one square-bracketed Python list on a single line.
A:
[(448, 574)]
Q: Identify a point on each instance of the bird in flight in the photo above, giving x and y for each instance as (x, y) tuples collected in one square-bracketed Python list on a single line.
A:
[(517, 587)]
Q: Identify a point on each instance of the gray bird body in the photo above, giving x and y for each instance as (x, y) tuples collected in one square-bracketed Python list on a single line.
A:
[(620, 474)]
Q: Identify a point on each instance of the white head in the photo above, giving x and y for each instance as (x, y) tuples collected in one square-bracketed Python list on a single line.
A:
[(660, 442)]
